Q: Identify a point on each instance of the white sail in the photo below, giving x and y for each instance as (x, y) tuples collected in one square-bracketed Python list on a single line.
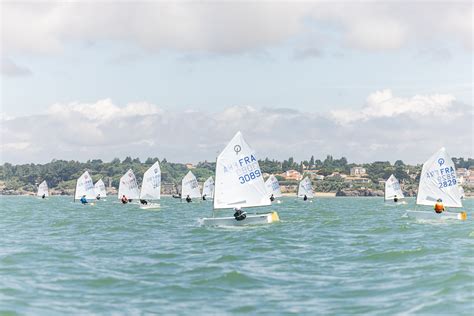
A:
[(208, 188), (438, 181), (99, 188), (392, 188), (151, 185), (43, 189), (273, 187), (85, 186), (128, 186), (305, 188), (239, 181), (461, 190), (190, 186)]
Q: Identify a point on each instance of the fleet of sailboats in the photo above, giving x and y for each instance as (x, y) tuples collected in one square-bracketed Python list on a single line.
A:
[(239, 184)]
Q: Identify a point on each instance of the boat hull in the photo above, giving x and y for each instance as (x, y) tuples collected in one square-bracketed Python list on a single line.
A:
[(431, 215), (150, 206), (251, 219)]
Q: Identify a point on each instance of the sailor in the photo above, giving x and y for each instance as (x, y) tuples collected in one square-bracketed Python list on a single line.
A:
[(239, 214), (305, 198), (124, 199), (97, 197), (188, 199), (272, 198), (43, 196), (204, 197), (83, 200), (439, 207), (395, 199), (143, 202)]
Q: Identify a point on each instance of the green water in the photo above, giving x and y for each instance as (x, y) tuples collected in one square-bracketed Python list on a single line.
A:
[(336, 256)]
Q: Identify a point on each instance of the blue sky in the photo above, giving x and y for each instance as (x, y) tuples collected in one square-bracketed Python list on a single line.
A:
[(313, 58)]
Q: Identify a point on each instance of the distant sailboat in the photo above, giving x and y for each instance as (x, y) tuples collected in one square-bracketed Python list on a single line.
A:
[(208, 189), (151, 187), (438, 181), (99, 188), (128, 186), (239, 183), (393, 190), (84, 186), (273, 187), (43, 189), (190, 187), (305, 189)]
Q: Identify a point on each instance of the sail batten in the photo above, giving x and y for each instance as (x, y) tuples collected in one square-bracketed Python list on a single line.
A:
[(43, 189), (305, 188), (128, 186), (392, 189), (438, 181), (239, 180), (273, 187), (190, 186), (151, 185), (85, 186)]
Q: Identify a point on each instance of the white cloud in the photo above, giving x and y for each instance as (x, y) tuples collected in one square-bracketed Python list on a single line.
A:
[(384, 104), (387, 128), (232, 27), (10, 69)]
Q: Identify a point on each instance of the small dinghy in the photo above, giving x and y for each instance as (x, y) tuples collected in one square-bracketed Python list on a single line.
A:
[(151, 188), (208, 189), (43, 190), (438, 181), (128, 186), (305, 190), (239, 183), (190, 187), (273, 189), (100, 192), (85, 187), (393, 191)]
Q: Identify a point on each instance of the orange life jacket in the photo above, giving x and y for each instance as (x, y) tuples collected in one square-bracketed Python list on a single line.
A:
[(439, 207)]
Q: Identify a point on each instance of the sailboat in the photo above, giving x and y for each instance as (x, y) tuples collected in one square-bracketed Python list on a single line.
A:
[(128, 186), (151, 187), (305, 189), (100, 191), (43, 189), (438, 181), (239, 183), (85, 186), (190, 187), (273, 187), (208, 189), (392, 189)]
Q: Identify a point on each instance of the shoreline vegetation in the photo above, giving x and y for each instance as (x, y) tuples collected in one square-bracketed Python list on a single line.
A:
[(330, 177)]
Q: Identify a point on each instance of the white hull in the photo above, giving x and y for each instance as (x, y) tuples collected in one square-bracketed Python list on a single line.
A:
[(400, 202), (150, 206), (432, 215), (251, 219)]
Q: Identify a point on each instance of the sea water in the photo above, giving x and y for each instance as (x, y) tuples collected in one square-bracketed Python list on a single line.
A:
[(334, 256)]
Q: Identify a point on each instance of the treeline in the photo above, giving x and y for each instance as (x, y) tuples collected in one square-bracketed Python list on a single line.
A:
[(62, 174)]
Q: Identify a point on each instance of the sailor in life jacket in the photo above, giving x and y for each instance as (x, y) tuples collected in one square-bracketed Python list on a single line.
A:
[(239, 215), (395, 199), (439, 207)]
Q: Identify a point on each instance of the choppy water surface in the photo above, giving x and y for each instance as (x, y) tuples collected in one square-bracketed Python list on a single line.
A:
[(334, 256)]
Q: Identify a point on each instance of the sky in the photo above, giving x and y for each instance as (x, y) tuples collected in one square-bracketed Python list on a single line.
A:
[(370, 81)]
